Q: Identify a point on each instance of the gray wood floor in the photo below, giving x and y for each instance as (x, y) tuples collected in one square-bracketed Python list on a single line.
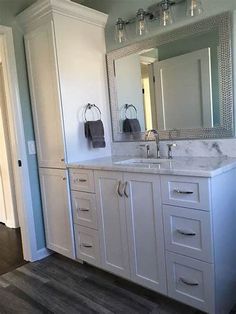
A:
[(59, 285), (11, 255)]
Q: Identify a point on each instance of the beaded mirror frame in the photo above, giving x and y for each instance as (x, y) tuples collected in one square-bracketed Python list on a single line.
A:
[(223, 24)]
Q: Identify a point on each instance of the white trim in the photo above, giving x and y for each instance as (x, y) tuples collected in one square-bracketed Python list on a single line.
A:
[(43, 8), (17, 145), (42, 253)]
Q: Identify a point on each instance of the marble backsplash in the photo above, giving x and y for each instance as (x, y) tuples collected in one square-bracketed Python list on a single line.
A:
[(196, 148)]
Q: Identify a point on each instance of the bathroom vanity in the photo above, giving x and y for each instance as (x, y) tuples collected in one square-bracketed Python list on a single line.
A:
[(166, 225)]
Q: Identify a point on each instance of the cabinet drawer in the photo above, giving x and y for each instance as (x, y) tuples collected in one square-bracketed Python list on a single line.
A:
[(188, 232), (87, 245), (190, 281), (190, 192), (82, 180), (84, 209)]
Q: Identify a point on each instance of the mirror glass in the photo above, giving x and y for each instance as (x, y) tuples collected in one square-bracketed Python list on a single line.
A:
[(176, 85)]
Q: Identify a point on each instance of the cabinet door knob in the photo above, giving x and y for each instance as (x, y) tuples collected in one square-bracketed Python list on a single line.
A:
[(186, 232), (183, 192), (188, 282), (64, 179), (83, 209), (62, 159), (125, 189), (118, 189), (86, 245), (82, 180)]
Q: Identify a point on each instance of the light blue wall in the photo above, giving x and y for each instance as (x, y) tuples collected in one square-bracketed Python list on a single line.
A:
[(8, 9)]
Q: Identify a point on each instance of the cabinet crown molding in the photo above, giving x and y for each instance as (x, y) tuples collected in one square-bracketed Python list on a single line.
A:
[(44, 8)]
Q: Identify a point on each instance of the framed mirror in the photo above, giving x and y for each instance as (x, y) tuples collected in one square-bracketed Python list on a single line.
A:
[(179, 83)]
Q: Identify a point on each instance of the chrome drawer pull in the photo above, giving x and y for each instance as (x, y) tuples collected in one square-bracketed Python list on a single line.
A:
[(118, 189), (82, 180), (125, 190), (183, 192), (186, 232), (189, 283), (86, 245), (83, 209)]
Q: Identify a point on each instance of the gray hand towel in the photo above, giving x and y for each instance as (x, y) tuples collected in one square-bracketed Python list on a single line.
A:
[(131, 126), (94, 131)]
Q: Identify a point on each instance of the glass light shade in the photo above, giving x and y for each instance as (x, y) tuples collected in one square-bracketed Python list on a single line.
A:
[(194, 8), (120, 31), (141, 23), (166, 16)]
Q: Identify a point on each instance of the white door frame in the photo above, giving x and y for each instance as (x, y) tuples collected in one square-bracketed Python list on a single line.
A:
[(18, 147)]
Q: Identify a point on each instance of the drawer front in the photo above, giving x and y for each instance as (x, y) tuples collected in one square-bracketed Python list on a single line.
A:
[(188, 232), (84, 209), (189, 192), (191, 282), (82, 180), (87, 245)]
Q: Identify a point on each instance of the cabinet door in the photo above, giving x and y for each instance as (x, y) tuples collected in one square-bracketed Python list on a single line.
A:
[(145, 230), (45, 96), (57, 211), (112, 223)]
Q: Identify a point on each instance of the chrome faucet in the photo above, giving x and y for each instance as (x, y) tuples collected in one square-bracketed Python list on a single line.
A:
[(157, 140)]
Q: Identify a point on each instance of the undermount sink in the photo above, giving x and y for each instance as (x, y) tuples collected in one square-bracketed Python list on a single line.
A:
[(144, 161)]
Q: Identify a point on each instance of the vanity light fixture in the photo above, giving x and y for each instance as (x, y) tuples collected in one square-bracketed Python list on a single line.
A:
[(141, 22), (166, 16), (161, 11), (120, 34), (194, 8)]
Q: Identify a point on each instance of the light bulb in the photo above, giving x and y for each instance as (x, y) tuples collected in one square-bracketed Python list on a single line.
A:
[(194, 8), (120, 34), (166, 17), (141, 23)]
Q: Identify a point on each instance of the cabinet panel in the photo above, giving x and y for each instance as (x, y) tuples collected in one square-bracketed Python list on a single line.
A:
[(45, 96), (57, 211), (191, 281), (87, 245), (112, 222), (145, 230), (82, 180), (188, 192), (84, 209), (188, 232)]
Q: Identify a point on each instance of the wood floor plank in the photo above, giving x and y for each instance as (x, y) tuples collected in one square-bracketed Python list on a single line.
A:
[(62, 286)]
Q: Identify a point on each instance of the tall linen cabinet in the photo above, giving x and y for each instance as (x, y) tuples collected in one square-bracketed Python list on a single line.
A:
[(65, 51)]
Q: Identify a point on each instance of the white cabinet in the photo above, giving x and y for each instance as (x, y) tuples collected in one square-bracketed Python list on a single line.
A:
[(65, 49), (112, 222), (172, 234), (57, 211), (65, 52), (131, 228), (45, 96), (145, 230)]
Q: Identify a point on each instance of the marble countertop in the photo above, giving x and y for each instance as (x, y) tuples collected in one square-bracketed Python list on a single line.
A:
[(187, 166)]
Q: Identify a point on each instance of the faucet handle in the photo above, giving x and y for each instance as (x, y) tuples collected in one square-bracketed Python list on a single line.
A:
[(170, 150), (147, 146)]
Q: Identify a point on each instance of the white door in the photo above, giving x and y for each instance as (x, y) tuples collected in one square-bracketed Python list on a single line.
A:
[(184, 91), (57, 211), (145, 230), (112, 222), (45, 96)]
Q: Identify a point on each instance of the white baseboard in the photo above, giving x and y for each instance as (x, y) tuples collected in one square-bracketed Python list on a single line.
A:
[(42, 253)]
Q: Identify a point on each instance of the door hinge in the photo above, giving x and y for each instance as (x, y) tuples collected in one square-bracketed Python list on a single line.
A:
[(19, 163)]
